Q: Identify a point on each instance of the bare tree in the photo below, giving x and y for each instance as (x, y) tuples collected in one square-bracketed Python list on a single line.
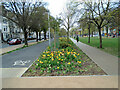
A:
[(19, 13), (99, 11), (69, 17)]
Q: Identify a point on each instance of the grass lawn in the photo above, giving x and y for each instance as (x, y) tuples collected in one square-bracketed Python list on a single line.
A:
[(110, 45), (67, 60)]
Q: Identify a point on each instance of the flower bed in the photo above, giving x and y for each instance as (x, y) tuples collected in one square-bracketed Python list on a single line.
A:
[(67, 60)]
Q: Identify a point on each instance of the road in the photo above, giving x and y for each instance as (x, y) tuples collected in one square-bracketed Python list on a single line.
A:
[(24, 57), (4, 45)]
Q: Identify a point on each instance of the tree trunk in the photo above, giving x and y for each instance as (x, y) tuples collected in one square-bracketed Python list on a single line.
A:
[(89, 33), (83, 33), (107, 30), (40, 36), (44, 35), (92, 33), (80, 33), (25, 36), (99, 29), (72, 35), (36, 36), (54, 40), (68, 36)]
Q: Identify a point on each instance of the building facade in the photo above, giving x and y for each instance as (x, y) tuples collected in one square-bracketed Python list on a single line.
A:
[(10, 30)]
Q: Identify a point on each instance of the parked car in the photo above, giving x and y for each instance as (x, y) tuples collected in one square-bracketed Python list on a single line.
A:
[(15, 41), (8, 40)]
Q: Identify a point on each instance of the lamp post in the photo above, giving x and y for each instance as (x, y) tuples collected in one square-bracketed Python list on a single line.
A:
[(49, 28)]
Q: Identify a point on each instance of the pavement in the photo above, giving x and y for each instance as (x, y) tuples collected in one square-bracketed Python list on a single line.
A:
[(16, 63), (105, 61)]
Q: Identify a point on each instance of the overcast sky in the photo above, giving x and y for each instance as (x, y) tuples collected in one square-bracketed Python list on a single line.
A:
[(56, 6)]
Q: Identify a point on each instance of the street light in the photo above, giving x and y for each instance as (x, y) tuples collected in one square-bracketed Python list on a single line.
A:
[(49, 27)]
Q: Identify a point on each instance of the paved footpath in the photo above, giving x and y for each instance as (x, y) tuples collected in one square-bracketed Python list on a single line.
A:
[(15, 63), (107, 62)]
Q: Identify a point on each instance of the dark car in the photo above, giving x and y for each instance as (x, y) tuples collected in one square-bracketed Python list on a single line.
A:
[(15, 41)]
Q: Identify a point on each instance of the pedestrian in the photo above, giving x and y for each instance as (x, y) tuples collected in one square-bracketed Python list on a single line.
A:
[(77, 38)]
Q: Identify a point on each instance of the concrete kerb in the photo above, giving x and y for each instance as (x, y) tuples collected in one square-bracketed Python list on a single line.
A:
[(62, 82)]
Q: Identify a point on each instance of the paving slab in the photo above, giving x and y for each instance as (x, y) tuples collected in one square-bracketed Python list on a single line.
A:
[(62, 82), (107, 62), (12, 72)]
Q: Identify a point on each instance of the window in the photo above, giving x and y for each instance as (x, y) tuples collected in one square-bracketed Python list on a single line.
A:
[(5, 21), (4, 29)]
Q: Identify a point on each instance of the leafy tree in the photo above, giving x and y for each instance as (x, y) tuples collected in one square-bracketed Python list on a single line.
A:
[(36, 21)]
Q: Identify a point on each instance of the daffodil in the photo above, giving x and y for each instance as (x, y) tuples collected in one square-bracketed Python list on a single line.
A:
[(38, 60), (61, 59)]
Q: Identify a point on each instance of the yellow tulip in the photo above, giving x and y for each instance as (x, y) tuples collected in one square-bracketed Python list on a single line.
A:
[(41, 62), (52, 59), (57, 67), (69, 63)]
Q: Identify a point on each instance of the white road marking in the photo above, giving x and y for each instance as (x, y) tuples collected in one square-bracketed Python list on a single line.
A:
[(21, 62)]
